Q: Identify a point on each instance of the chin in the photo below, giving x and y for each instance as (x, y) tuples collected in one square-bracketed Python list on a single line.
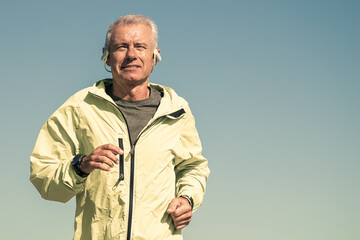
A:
[(128, 79)]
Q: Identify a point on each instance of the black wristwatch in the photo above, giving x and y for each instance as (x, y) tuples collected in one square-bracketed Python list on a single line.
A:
[(189, 199), (75, 163)]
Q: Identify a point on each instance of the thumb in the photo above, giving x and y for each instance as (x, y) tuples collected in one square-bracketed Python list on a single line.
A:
[(172, 207)]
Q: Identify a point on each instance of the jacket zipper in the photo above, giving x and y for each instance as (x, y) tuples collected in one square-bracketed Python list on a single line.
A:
[(121, 170), (132, 170), (131, 195)]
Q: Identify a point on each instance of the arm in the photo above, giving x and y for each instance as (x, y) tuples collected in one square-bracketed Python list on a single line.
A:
[(191, 167), (191, 174), (57, 144)]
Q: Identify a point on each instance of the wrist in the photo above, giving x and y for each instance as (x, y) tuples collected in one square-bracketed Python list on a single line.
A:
[(76, 163), (190, 200)]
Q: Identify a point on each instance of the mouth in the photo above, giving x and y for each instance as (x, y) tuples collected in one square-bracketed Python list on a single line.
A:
[(129, 67)]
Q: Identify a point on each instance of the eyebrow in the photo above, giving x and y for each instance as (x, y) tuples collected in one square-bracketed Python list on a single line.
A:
[(141, 43), (117, 44)]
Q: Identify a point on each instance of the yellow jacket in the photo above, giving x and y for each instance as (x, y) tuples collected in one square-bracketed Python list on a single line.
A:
[(165, 162)]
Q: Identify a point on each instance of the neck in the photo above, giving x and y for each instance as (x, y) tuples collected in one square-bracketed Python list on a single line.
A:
[(131, 93)]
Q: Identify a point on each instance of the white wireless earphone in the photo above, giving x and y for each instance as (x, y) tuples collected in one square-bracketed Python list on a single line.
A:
[(105, 56), (157, 57)]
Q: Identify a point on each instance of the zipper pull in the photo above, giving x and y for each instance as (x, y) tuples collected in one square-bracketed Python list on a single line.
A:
[(132, 149)]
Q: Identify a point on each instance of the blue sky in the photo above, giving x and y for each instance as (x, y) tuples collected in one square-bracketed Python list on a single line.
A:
[(274, 87)]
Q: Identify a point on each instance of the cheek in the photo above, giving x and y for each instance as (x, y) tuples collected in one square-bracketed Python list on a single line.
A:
[(115, 59), (149, 61)]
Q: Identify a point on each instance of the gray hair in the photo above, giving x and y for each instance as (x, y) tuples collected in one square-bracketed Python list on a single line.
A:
[(132, 19)]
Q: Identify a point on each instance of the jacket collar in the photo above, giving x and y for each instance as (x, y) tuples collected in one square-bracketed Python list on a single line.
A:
[(170, 104)]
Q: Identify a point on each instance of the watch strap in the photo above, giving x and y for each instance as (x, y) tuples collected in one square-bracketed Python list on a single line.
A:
[(191, 202), (76, 165)]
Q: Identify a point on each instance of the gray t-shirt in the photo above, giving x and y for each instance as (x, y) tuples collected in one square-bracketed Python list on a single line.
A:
[(137, 113)]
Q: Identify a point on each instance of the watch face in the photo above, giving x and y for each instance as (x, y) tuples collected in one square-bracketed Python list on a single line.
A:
[(75, 160)]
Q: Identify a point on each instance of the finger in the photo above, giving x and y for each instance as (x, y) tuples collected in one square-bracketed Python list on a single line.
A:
[(182, 224), (183, 217), (105, 160), (110, 155), (96, 162), (91, 165), (113, 148), (186, 221), (101, 166)]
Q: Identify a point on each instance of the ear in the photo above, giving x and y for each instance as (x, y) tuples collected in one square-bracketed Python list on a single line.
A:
[(106, 57)]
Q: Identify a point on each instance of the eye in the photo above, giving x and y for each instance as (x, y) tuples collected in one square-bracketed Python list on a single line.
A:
[(140, 47), (120, 48)]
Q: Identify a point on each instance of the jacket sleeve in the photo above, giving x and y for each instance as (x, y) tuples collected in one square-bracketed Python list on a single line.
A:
[(50, 161), (192, 168)]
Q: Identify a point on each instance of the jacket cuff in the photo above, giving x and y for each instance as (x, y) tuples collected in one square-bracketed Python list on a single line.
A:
[(196, 199), (72, 179)]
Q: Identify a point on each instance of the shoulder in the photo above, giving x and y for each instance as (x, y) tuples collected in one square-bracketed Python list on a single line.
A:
[(170, 94), (79, 98)]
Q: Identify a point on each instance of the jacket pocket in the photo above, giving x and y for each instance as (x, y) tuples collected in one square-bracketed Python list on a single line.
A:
[(121, 161)]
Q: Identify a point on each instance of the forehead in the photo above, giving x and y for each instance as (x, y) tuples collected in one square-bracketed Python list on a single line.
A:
[(131, 33)]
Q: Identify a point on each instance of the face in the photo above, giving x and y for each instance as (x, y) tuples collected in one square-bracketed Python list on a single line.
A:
[(131, 53)]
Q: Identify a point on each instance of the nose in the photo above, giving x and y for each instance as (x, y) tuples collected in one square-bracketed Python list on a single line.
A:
[(131, 53)]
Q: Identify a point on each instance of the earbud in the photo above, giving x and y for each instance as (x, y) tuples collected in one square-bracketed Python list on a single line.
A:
[(157, 57), (105, 56)]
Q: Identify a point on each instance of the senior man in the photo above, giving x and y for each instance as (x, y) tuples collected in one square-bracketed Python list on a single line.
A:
[(126, 148)]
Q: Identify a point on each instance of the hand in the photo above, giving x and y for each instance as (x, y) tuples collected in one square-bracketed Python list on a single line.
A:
[(103, 158), (180, 211)]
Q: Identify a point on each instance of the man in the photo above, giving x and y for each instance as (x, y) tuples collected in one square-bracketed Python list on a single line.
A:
[(126, 148)]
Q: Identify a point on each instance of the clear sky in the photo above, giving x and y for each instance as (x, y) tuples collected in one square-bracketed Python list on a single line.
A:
[(274, 86)]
